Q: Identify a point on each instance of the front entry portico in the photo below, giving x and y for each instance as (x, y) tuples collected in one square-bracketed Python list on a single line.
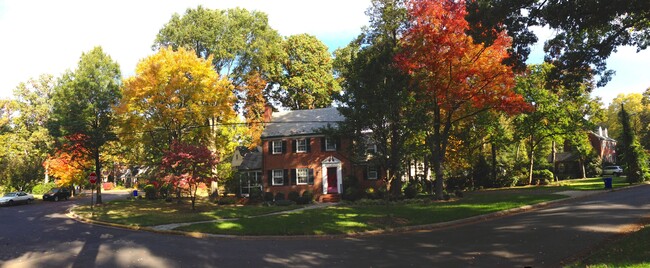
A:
[(332, 175)]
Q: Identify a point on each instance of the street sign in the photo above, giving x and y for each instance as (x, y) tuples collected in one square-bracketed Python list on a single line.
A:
[(92, 178)]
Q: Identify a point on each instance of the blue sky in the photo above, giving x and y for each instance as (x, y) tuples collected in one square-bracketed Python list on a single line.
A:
[(49, 36)]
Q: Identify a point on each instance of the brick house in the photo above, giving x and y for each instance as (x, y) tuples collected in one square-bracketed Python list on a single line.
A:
[(567, 163), (298, 156)]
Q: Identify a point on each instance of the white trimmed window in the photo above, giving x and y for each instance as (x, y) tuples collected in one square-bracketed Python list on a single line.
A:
[(372, 173), (302, 176), (278, 177), (277, 147), (371, 148), (330, 144), (301, 145)]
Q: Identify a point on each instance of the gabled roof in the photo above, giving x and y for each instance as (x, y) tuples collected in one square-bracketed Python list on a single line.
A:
[(301, 122), (252, 161)]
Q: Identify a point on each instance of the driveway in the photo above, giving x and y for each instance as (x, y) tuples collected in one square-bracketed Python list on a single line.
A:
[(42, 236)]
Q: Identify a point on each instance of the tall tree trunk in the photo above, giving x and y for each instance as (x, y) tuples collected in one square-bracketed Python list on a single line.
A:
[(582, 169), (494, 163), (531, 156), (98, 169), (553, 152)]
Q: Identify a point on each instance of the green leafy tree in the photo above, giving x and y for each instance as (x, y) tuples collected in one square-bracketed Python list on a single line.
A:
[(241, 42), (585, 32), (307, 81), (557, 112), (24, 135), (634, 156), (634, 104), (83, 103), (376, 95)]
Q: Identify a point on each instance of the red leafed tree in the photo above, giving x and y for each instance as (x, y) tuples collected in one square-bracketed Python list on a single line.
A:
[(188, 166), (454, 78), (70, 163)]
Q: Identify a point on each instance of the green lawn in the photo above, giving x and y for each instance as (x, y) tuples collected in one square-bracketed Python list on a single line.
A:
[(632, 250), (142, 212), (340, 219), (588, 184), (347, 219)]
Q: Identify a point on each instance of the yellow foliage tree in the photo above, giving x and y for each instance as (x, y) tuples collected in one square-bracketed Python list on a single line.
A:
[(175, 96)]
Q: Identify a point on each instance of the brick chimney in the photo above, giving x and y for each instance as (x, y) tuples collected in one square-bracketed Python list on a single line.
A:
[(268, 112)]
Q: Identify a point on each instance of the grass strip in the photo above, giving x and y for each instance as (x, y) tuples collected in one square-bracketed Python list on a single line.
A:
[(142, 212), (358, 218), (632, 250)]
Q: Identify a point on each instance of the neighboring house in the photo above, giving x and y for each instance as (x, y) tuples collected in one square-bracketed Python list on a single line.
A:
[(298, 156), (248, 164), (567, 163), (604, 146)]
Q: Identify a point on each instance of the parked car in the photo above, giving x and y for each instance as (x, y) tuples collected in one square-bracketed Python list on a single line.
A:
[(613, 170), (56, 194), (14, 198)]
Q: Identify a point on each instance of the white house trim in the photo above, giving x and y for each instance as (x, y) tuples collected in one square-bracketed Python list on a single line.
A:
[(328, 163)]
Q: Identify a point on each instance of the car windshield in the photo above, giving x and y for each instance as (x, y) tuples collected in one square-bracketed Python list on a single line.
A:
[(10, 194), (612, 167), (54, 190)]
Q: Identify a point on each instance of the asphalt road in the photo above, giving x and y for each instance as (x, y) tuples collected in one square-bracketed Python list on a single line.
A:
[(41, 235)]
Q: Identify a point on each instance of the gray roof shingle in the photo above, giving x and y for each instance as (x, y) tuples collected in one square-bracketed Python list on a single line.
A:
[(301, 122)]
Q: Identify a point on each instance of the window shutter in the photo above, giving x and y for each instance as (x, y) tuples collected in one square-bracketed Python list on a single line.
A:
[(310, 181), (293, 176), (322, 144), (284, 146), (294, 146), (285, 177), (365, 173), (270, 177), (270, 147), (338, 144), (308, 141)]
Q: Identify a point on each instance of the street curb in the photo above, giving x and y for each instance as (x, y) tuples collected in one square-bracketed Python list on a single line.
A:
[(404, 229)]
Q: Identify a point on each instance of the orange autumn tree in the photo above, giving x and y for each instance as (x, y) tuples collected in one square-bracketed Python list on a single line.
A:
[(70, 163), (454, 78), (254, 107)]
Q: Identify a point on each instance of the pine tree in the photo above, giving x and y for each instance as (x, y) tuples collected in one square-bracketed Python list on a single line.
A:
[(634, 156)]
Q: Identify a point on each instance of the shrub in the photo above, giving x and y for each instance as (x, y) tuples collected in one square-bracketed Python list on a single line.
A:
[(284, 202), (43, 188), (150, 191), (308, 195), (268, 197), (256, 195), (352, 190), (230, 200), (411, 190), (543, 174), (293, 196), (279, 196)]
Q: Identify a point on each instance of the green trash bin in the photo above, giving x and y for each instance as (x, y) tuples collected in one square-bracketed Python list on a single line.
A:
[(608, 183)]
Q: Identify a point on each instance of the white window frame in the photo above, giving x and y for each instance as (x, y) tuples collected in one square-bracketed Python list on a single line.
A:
[(373, 174), (277, 174), (277, 147), (299, 145), (330, 145), (304, 176), (371, 148)]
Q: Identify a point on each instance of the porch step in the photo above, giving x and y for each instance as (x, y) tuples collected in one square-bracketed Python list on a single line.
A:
[(329, 198)]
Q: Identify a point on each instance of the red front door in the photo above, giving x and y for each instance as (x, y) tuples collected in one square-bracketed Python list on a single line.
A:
[(332, 181)]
